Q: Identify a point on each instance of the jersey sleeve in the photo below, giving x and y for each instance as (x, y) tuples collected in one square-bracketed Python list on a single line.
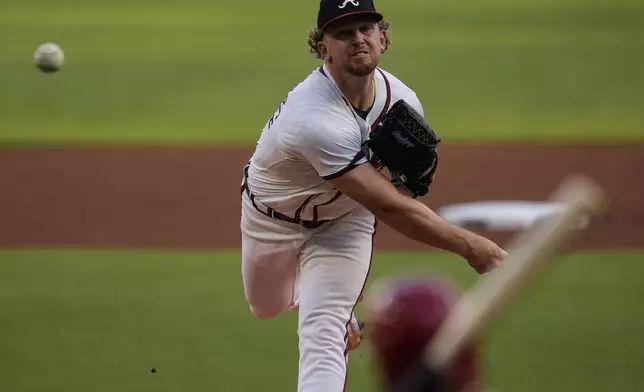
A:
[(331, 146), (415, 103)]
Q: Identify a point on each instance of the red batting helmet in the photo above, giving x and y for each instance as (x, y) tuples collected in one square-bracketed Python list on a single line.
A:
[(403, 316)]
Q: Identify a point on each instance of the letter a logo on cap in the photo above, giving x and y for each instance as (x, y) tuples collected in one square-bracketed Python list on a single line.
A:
[(334, 10), (354, 2)]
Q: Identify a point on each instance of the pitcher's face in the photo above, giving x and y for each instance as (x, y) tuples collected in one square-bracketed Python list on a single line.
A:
[(354, 45)]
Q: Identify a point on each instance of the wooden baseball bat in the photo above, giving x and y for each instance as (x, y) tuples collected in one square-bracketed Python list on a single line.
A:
[(528, 253)]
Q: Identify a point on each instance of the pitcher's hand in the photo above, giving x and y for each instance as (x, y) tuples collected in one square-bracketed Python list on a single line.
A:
[(484, 255)]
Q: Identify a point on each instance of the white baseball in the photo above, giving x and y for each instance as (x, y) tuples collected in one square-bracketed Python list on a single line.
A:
[(49, 57)]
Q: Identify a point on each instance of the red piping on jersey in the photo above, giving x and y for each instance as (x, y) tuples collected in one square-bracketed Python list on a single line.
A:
[(386, 108), (387, 102), (298, 212), (355, 304), (373, 126), (351, 165), (278, 215), (315, 208)]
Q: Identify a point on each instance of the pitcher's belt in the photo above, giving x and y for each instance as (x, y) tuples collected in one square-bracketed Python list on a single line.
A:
[(270, 212)]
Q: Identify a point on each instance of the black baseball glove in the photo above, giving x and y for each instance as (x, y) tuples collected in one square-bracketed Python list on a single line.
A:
[(408, 147)]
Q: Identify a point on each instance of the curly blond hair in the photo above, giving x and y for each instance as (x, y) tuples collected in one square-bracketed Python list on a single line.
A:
[(316, 35)]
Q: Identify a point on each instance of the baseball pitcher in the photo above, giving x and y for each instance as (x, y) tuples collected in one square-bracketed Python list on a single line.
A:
[(346, 147)]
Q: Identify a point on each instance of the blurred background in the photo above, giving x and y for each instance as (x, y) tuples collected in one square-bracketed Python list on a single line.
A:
[(175, 94), (213, 71)]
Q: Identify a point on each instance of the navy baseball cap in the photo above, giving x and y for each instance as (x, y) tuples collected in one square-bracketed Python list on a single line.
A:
[(333, 10)]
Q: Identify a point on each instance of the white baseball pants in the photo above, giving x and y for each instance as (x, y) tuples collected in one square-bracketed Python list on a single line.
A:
[(321, 272)]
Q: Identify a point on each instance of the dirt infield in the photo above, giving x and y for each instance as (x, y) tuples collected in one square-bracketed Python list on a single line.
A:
[(189, 198)]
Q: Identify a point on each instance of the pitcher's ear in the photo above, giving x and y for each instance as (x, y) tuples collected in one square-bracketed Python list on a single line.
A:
[(322, 49)]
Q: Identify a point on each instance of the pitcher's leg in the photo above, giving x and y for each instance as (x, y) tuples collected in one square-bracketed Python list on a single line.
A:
[(335, 266), (270, 273)]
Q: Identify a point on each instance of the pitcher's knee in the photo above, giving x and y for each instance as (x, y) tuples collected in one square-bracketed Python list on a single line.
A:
[(264, 313), (267, 304)]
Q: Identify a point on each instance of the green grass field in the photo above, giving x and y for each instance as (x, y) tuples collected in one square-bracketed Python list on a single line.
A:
[(78, 321), (204, 71)]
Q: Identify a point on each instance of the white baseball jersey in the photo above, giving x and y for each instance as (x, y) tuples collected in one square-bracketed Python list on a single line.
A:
[(316, 135)]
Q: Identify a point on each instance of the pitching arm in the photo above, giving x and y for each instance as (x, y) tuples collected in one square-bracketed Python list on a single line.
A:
[(408, 216)]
